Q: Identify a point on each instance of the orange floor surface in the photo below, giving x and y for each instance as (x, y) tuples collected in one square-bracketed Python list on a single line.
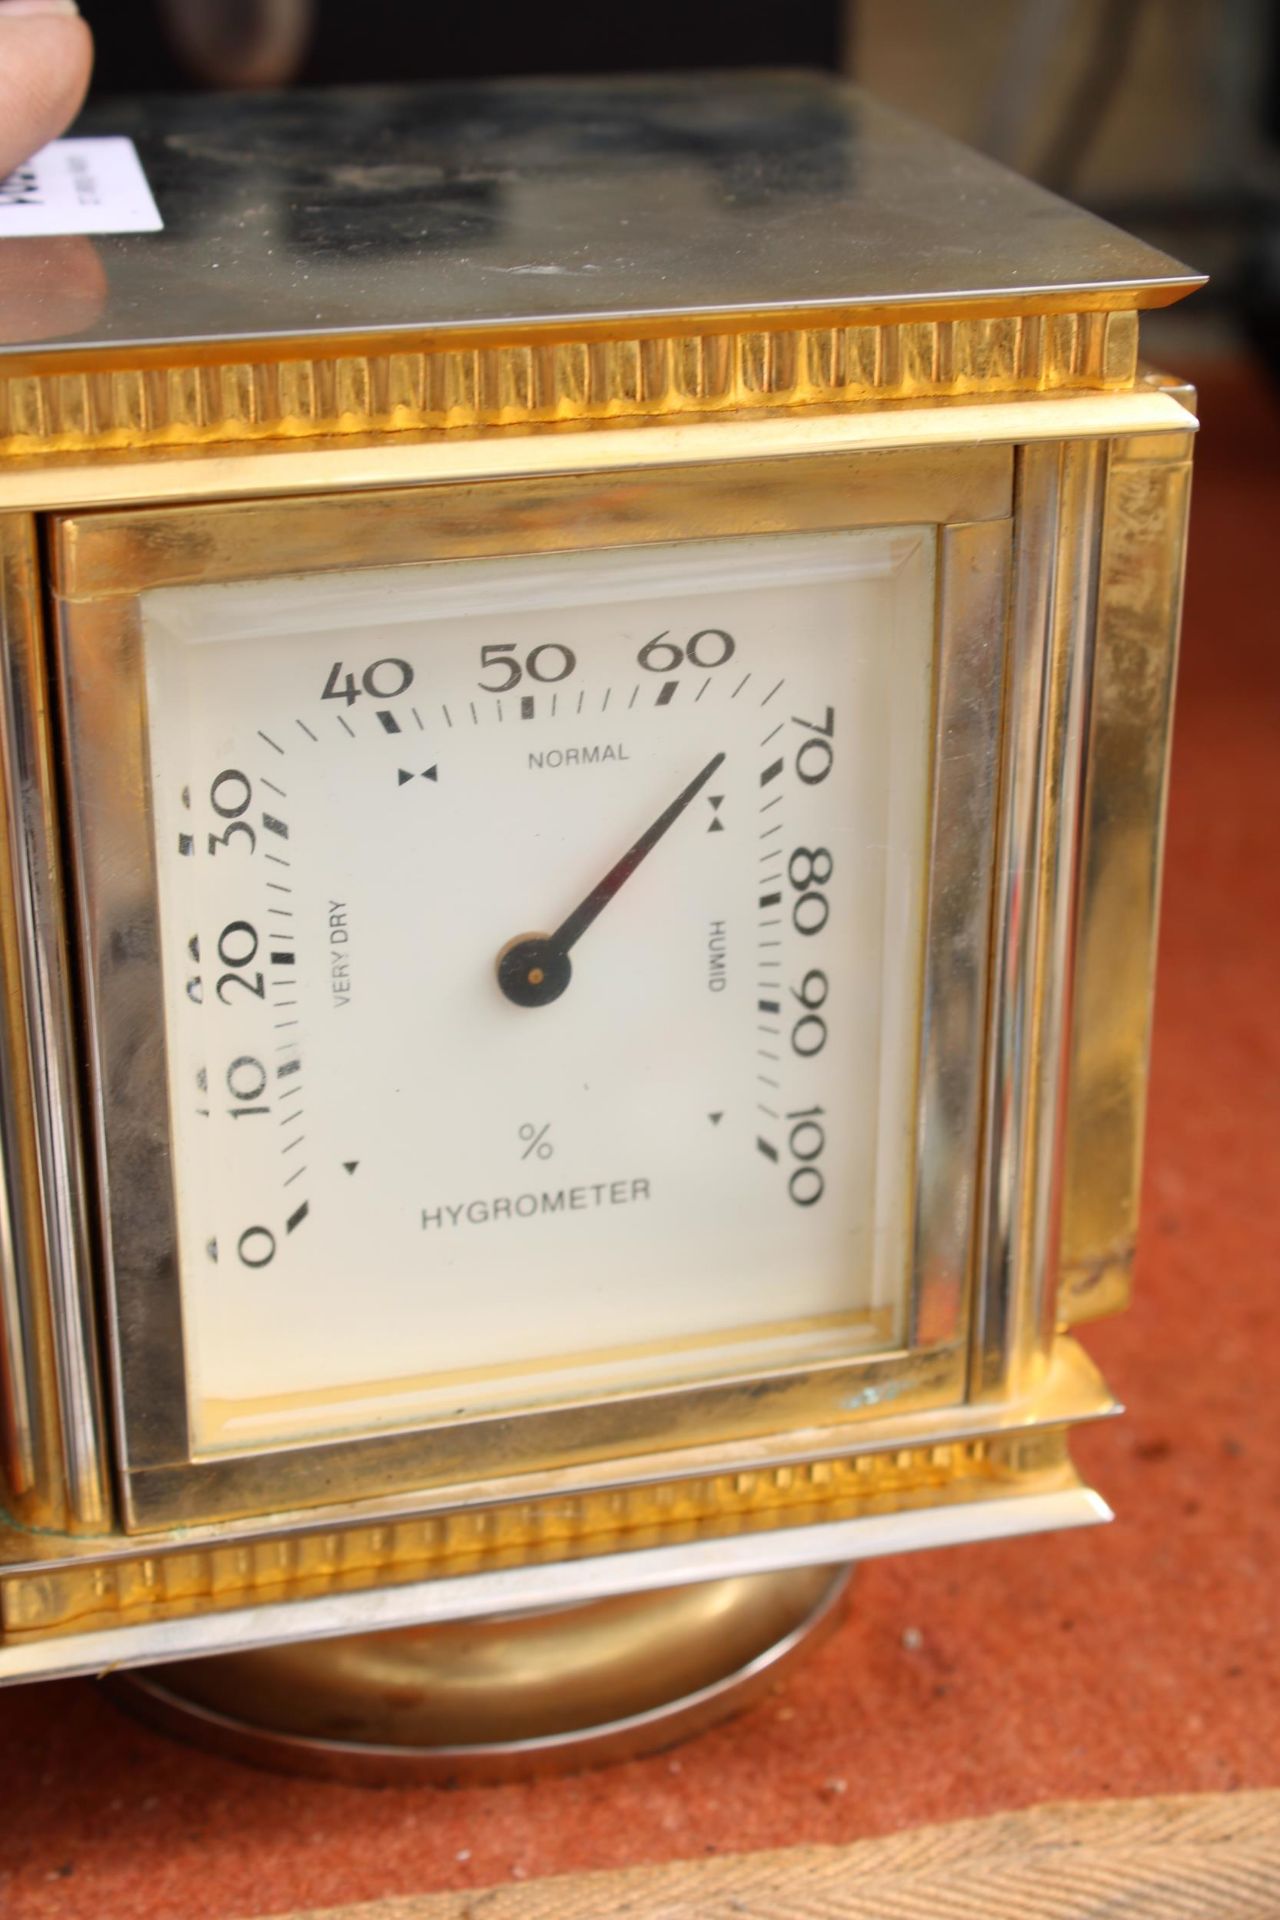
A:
[(1135, 1659)]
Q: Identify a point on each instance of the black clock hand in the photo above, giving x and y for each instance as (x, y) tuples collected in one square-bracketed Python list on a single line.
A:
[(535, 969), (570, 931)]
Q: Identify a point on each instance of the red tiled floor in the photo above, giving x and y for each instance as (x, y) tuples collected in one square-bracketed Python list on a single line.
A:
[(1131, 1660)]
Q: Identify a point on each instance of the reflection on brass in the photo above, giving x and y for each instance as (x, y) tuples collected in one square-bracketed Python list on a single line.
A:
[(154, 1586), (870, 1330), (354, 464), (973, 597), (1139, 607), (563, 1517), (103, 560), (49, 287), (52, 1442), (104, 556), (475, 388), (545, 1691), (1059, 516)]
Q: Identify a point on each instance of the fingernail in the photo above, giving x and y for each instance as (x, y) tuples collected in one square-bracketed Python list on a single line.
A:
[(20, 9)]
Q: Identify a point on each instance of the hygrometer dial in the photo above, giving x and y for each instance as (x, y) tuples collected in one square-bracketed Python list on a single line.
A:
[(541, 949)]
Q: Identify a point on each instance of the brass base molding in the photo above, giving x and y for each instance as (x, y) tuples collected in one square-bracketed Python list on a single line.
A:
[(550, 1690), (177, 1596), (1215, 1856), (149, 1585), (474, 388)]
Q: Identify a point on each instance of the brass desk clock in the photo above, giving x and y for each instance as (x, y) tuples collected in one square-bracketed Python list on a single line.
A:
[(586, 689)]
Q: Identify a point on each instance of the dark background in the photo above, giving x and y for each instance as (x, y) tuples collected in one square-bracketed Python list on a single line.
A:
[(391, 40)]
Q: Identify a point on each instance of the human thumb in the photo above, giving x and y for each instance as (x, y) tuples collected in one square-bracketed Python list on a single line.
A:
[(46, 54)]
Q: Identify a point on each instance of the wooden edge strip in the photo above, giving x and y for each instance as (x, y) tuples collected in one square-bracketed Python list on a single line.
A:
[(1189, 1857)]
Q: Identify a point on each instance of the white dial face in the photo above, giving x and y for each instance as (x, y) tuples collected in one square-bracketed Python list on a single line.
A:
[(542, 954)]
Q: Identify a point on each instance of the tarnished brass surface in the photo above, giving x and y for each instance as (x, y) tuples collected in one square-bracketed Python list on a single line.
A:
[(106, 556), (343, 221), (83, 1605), (973, 611), (102, 563), (29, 1444), (158, 1587), (1139, 610), (540, 1692), (924, 1460), (1059, 517)]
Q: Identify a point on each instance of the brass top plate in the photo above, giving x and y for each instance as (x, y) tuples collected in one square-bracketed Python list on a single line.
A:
[(552, 208)]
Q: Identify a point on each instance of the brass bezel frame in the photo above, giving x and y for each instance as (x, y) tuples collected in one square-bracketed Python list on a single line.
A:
[(103, 561)]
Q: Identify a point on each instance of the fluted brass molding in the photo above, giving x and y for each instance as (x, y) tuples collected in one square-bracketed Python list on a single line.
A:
[(468, 389), (159, 1585)]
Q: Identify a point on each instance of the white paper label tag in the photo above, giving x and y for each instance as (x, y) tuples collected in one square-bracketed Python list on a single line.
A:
[(79, 186)]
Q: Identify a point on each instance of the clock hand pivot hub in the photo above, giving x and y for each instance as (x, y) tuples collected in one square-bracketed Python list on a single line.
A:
[(534, 969)]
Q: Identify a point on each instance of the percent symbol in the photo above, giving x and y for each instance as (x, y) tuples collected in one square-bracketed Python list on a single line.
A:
[(537, 1139)]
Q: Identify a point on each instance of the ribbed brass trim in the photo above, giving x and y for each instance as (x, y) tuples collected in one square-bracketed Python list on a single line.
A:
[(473, 388), (150, 1586)]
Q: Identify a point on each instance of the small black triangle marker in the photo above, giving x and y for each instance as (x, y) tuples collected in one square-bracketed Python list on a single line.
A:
[(717, 826), (715, 1118), (351, 1165), (430, 773), (716, 799), (402, 778)]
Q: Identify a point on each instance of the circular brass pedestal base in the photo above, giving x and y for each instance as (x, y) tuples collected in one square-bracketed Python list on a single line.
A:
[(547, 1691)]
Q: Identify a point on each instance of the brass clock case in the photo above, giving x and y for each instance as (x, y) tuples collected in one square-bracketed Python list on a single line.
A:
[(892, 335)]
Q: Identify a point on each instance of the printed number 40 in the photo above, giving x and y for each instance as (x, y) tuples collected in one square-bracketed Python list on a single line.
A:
[(396, 677)]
